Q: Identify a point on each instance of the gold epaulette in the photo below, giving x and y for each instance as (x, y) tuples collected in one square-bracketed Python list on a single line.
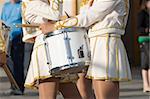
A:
[(83, 2)]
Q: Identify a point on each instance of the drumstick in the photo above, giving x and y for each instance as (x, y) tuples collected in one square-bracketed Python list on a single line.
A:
[(27, 25), (67, 14), (4, 29), (10, 76)]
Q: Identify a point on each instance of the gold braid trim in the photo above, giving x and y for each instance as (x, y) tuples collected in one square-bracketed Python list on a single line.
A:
[(117, 58), (56, 2), (2, 43), (83, 2), (61, 24)]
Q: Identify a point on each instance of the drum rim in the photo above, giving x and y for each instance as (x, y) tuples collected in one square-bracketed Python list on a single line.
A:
[(64, 67), (61, 31)]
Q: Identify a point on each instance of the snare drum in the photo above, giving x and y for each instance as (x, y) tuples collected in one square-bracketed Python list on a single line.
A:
[(67, 50)]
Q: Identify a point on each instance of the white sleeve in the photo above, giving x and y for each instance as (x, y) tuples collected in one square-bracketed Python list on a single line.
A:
[(96, 12), (36, 9)]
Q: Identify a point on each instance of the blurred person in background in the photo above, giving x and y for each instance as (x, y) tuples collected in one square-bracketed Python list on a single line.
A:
[(28, 47), (11, 15), (1, 4), (144, 30)]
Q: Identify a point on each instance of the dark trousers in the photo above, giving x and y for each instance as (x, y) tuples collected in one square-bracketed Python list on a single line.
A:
[(16, 52), (28, 47), (145, 60)]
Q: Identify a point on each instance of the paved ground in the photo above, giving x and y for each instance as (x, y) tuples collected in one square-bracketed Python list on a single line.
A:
[(130, 90)]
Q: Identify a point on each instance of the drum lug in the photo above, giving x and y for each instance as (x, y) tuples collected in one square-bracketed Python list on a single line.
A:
[(47, 53), (67, 39), (70, 57), (89, 54), (68, 48), (87, 42)]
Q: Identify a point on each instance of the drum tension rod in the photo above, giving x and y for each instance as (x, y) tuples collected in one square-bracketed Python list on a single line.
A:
[(47, 51)]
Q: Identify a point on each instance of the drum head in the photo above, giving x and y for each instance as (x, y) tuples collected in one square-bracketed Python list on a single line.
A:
[(57, 32)]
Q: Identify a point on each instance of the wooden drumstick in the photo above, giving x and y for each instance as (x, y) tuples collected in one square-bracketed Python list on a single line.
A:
[(10, 76), (28, 25)]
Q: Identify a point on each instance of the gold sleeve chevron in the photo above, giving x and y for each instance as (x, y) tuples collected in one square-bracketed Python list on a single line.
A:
[(72, 22), (83, 2)]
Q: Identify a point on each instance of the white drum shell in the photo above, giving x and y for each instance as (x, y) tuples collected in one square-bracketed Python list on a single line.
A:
[(58, 51)]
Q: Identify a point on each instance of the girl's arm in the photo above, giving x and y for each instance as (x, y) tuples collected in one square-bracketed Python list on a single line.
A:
[(98, 10), (37, 9)]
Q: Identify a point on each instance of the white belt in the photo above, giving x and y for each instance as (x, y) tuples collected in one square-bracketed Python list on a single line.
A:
[(108, 35)]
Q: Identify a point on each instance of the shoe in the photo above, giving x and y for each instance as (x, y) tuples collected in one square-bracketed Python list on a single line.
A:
[(146, 90), (17, 92), (12, 92)]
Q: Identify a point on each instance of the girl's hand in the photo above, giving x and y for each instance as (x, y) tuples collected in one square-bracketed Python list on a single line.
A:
[(47, 27)]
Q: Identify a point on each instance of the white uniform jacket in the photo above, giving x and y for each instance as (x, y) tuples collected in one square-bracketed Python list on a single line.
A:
[(38, 11), (104, 16)]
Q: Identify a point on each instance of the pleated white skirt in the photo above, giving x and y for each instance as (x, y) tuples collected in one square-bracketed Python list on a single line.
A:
[(109, 59)]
